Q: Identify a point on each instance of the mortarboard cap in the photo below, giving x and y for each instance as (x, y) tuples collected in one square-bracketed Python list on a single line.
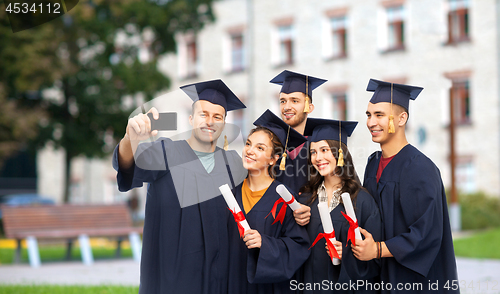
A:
[(318, 129), (401, 94), (295, 82), (214, 91), (287, 135)]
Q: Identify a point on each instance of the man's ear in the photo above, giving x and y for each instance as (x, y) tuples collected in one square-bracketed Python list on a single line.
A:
[(403, 118), (191, 119), (311, 107)]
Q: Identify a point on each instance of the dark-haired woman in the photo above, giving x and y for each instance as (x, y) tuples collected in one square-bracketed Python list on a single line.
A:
[(327, 182), (271, 252)]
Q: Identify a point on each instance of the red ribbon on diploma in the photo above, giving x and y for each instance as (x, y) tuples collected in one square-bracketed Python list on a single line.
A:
[(331, 248), (352, 226), (239, 217), (282, 213)]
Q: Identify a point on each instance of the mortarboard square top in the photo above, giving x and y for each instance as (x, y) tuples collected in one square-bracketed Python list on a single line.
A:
[(214, 91), (295, 82), (328, 129), (401, 94), (276, 125)]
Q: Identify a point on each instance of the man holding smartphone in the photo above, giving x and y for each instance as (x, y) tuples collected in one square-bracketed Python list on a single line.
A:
[(185, 240)]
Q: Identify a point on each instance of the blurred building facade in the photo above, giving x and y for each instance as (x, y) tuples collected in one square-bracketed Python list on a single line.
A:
[(449, 47)]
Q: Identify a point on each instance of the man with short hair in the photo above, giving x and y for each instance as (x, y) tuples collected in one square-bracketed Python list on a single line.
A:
[(295, 105), (185, 240), (417, 246)]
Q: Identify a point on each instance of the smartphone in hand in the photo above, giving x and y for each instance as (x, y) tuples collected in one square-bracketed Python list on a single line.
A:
[(167, 121)]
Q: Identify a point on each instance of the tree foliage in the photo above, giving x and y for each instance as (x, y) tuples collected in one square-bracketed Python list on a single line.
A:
[(90, 64)]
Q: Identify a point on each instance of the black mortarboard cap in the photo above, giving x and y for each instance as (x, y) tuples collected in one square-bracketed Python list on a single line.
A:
[(295, 82), (276, 125), (214, 91), (318, 129), (401, 94)]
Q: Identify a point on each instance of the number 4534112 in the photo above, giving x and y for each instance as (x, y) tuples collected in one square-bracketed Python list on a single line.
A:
[(17, 8)]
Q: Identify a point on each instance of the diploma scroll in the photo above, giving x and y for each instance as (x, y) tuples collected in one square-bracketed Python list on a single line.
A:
[(235, 209), (326, 221), (286, 199), (285, 194), (346, 198)]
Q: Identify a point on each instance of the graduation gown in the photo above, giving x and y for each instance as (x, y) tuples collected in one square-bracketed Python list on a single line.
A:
[(296, 171), (319, 268), (284, 249), (184, 250), (416, 226)]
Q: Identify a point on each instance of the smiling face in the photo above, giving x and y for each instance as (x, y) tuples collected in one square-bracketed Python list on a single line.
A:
[(258, 152), (377, 121), (322, 158), (207, 121), (292, 108)]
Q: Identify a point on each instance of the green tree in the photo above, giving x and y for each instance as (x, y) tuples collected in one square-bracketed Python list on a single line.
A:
[(94, 72)]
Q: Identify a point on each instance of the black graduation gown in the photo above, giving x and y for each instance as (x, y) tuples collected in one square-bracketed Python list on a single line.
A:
[(284, 249), (319, 268), (416, 226), (296, 171), (184, 250)]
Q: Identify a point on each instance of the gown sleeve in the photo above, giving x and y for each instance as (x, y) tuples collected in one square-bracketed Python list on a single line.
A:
[(279, 257), (150, 163), (421, 208)]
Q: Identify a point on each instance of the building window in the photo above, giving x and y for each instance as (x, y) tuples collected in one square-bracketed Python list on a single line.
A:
[(461, 101), (339, 105), (338, 26), (237, 52), (191, 59), (458, 21), (395, 29), (285, 35), (465, 174)]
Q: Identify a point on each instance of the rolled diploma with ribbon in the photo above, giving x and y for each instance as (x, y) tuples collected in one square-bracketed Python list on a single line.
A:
[(326, 221), (350, 212), (232, 204), (285, 194)]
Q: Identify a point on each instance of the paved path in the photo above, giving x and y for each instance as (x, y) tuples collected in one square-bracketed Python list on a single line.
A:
[(109, 272), (476, 276)]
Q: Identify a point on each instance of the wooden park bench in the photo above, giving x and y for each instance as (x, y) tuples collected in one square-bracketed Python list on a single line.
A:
[(69, 222)]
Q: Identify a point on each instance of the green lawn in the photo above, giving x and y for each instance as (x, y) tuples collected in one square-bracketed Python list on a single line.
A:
[(480, 245), (47, 289), (58, 253)]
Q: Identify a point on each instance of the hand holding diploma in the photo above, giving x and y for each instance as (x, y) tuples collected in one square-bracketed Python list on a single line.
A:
[(252, 239), (235, 209), (329, 233)]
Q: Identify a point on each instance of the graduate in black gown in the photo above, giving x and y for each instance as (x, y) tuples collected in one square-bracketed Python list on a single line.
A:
[(295, 105), (417, 245), (330, 177), (186, 237), (270, 253)]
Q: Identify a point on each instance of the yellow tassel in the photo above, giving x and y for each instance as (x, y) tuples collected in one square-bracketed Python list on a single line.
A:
[(340, 162), (306, 106), (226, 144), (283, 161), (391, 124)]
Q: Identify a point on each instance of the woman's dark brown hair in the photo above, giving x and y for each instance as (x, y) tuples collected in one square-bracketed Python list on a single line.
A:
[(346, 173), (277, 146)]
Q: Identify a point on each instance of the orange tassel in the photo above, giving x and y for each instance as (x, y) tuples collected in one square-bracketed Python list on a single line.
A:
[(226, 144), (283, 161), (340, 162), (391, 124), (306, 106)]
